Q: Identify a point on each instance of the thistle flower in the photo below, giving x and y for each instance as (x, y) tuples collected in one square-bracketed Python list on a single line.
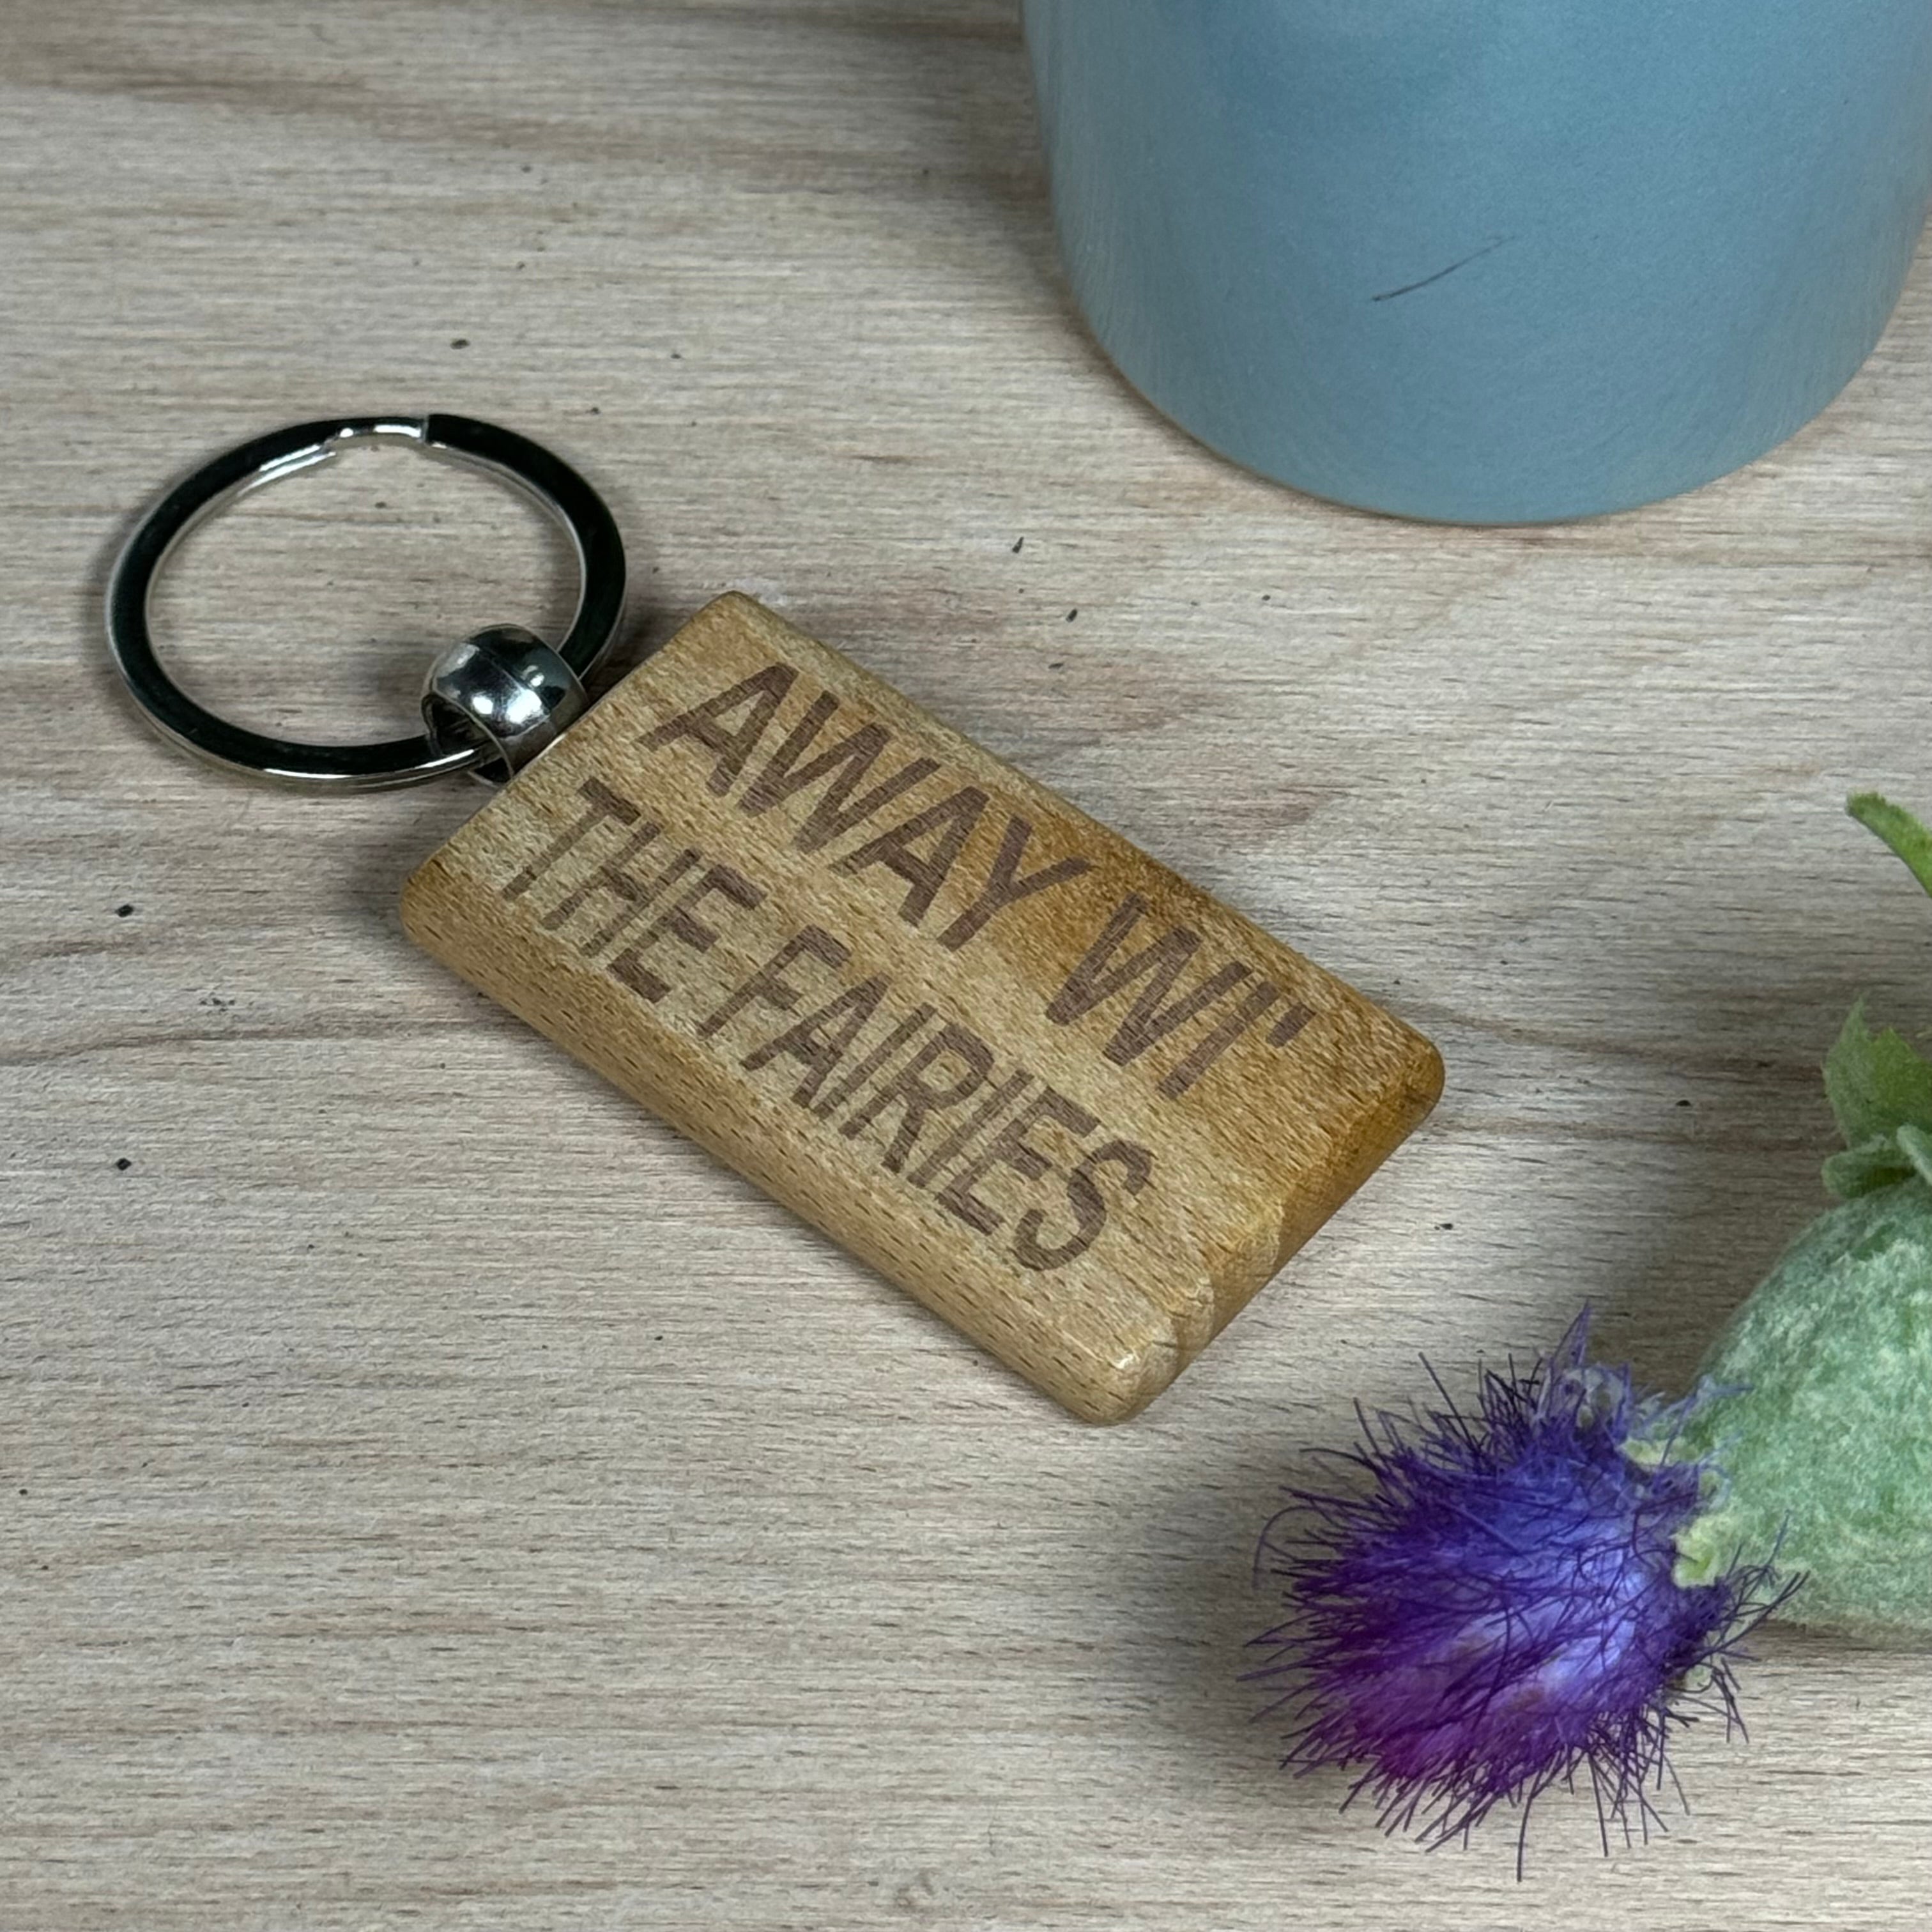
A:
[(1489, 1608), (1498, 1600)]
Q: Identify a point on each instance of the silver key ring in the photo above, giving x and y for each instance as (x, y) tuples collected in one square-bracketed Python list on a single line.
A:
[(490, 703)]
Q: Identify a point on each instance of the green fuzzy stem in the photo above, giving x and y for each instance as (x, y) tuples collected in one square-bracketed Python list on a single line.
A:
[(1823, 1424), (1821, 1420)]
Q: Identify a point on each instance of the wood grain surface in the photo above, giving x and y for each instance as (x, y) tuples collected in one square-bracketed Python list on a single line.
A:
[(432, 1493)]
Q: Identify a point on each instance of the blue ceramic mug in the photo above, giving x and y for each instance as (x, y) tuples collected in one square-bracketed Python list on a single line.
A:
[(1487, 261)]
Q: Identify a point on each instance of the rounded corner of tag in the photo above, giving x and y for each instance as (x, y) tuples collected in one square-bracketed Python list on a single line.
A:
[(414, 903), (1428, 1075), (1116, 1387)]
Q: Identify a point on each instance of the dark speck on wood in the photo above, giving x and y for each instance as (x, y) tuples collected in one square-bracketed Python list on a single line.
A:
[(123, 912)]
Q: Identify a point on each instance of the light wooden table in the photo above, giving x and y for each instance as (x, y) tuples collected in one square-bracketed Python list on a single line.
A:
[(432, 1494)]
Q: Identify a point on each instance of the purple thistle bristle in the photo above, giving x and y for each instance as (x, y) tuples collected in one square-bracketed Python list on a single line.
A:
[(1494, 1610)]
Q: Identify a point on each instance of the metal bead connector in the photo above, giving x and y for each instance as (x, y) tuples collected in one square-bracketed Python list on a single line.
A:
[(503, 690)]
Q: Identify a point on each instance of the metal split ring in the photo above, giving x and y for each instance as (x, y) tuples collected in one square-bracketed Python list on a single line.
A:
[(490, 703)]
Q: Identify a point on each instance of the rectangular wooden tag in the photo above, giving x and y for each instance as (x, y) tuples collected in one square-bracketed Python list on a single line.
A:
[(1065, 1099)]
